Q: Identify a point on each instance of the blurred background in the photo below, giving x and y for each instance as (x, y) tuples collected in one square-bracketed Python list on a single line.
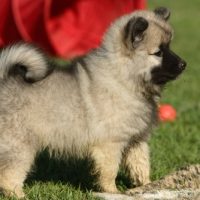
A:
[(177, 144), (70, 28)]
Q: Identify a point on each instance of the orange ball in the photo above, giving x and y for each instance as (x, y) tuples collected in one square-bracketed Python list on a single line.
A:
[(166, 113)]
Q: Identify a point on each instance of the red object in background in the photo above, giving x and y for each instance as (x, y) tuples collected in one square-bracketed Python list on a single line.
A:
[(66, 28), (167, 113)]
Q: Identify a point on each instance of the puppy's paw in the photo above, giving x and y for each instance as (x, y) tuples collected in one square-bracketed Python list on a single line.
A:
[(133, 191), (110, 189)]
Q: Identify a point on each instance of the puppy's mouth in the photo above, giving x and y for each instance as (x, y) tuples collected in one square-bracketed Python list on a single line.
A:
[(161, 77)]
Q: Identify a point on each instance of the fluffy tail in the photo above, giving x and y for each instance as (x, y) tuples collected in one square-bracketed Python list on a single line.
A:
[(23, 60)]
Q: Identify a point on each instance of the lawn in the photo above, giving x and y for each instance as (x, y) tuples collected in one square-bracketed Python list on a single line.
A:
[(173, 145)]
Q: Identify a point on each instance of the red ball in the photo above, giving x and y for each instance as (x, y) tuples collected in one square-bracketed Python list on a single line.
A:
[(167, 113)]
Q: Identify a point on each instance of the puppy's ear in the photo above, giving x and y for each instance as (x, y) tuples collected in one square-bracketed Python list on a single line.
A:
[(162, 12), (134, 31)]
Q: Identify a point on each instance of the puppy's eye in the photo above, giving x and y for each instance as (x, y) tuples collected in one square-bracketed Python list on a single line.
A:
[(158, 53)]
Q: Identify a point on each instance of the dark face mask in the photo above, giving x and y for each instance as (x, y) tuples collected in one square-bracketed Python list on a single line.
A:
[(172, 66)]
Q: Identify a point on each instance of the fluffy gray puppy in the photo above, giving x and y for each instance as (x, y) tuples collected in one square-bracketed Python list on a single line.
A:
[(104, 105)]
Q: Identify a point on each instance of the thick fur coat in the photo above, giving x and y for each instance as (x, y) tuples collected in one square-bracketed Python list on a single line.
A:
[(104, 105)]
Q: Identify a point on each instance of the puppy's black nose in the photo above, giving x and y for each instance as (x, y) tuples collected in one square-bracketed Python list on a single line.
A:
[(182, 64)]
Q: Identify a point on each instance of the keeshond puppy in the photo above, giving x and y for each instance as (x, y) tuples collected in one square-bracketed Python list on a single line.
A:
[(104, 105)]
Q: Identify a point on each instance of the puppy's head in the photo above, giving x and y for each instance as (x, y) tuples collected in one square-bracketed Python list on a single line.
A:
[(145, 46)]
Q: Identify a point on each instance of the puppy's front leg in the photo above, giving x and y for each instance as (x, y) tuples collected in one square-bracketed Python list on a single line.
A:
[(137, 162), (107, 158)]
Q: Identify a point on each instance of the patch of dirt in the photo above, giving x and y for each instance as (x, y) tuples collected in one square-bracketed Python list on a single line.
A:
[(187, 178)]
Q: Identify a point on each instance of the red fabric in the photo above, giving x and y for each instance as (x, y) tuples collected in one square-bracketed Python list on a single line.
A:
[(65, 28)]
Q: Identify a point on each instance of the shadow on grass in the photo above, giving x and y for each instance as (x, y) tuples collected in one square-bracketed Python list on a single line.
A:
[(73, 171)]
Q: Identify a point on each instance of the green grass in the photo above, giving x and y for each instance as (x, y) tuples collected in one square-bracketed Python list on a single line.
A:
[(51, 191), (173, 145)]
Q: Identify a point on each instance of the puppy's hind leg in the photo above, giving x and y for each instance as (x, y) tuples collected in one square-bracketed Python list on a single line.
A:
[(15, 163)]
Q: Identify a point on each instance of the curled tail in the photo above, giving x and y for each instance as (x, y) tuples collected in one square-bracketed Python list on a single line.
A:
[(23, 60)]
